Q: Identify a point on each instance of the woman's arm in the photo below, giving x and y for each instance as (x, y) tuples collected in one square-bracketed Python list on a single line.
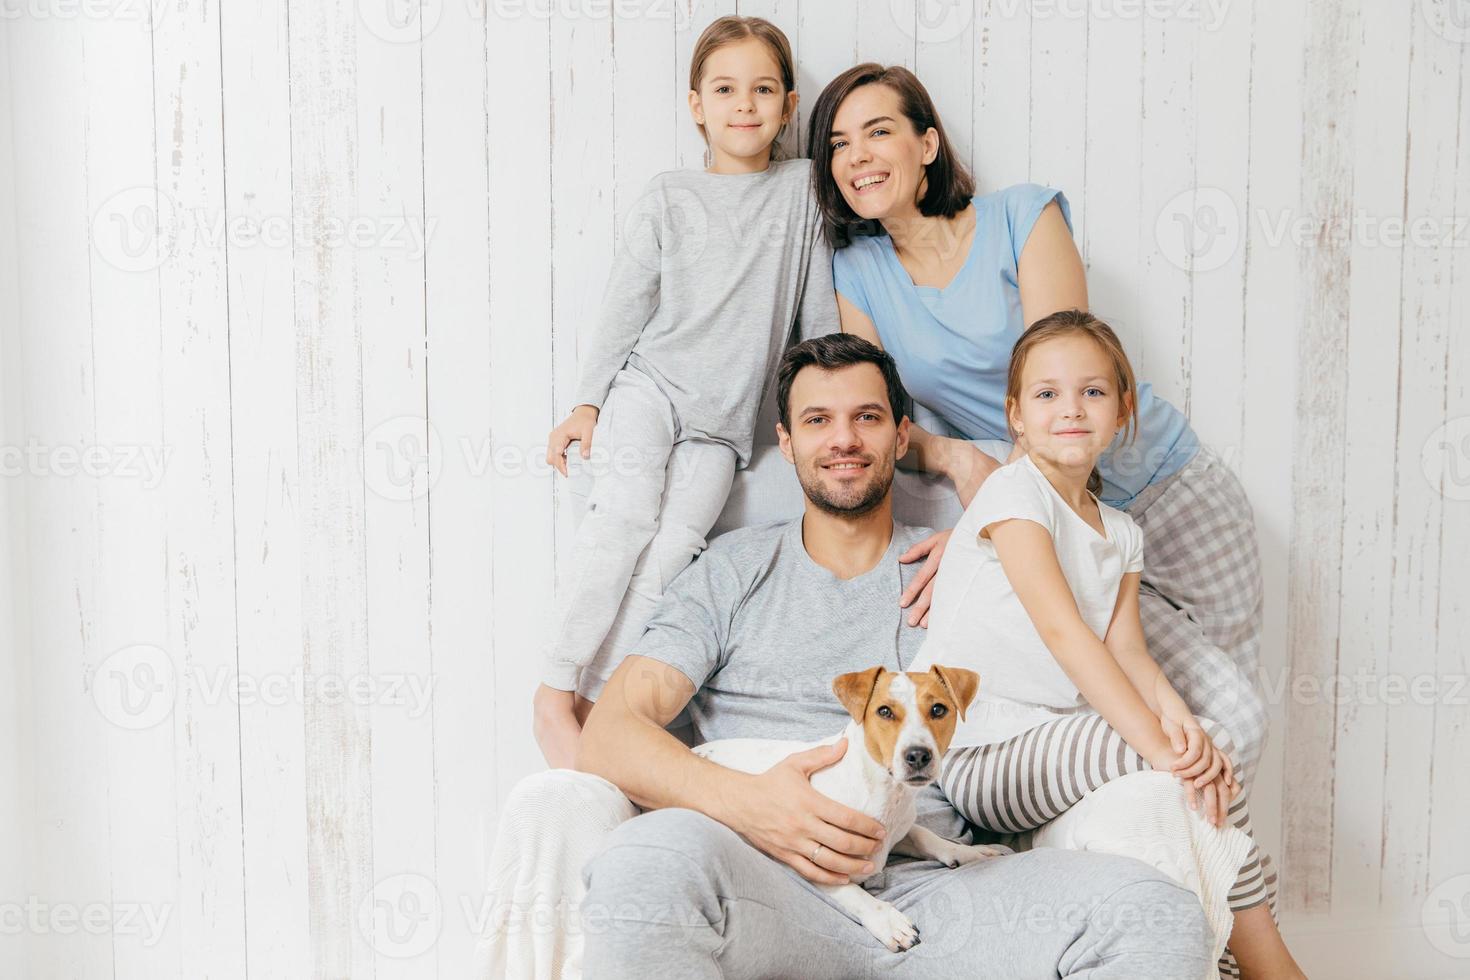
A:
[(957, 459), (1049, 270), (1029, 558)]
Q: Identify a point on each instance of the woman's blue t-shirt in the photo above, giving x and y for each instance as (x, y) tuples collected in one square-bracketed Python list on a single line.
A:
[(953, 345)]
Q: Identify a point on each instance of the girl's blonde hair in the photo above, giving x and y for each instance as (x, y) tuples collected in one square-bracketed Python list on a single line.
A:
[(1075, 323), (729, 30)]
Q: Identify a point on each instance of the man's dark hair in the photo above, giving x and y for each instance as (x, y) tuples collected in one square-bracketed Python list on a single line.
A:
[(837, 350)]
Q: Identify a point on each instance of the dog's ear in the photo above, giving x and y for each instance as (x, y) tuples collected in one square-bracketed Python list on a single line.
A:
[(854, 690), (961, 684)]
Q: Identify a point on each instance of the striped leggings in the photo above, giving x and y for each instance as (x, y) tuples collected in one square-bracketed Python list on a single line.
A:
[(1017, 785)]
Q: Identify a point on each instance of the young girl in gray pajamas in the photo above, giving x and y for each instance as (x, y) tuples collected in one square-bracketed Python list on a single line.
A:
[(713, 272), (1038, 593)]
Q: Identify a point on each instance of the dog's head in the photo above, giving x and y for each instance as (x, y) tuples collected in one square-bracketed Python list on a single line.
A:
[(908, 719)]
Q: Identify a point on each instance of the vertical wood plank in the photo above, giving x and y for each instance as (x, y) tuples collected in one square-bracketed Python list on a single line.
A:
[(944, 36), (147, 777), (1001, 142), (1317, 473), (1382, 52), (16, 758), (462, 91), (886, 32), (527, 321), (72, 849), (582, 204), (1058, 125), (1217, 348), (1435, 120), (643, 121), (1268, 394), (400, 466), (269, 532), (1167, 193), (329, 392), (1449, 450), (1110, 243), (200, 557)]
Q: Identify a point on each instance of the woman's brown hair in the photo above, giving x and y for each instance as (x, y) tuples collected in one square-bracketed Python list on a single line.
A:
[(729, 30), (1075, 323), (948, 184)]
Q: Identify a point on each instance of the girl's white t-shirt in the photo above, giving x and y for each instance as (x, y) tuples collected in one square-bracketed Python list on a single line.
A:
[(976, 621)]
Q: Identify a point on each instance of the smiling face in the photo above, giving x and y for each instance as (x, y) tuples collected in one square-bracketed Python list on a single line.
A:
[(908, 719), (844, 440), (741, 101), (878, 159), (1068, 407)]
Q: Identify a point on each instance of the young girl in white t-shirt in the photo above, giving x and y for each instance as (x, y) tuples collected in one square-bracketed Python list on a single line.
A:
[(1038, 593)]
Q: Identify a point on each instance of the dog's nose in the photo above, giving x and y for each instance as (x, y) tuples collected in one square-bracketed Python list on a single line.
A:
[(918, 757)]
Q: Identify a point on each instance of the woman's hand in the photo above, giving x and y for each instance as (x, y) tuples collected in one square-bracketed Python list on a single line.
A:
[(577, 428), (920, 591)]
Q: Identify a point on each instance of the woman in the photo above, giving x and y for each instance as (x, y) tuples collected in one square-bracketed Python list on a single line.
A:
[(945, 281)]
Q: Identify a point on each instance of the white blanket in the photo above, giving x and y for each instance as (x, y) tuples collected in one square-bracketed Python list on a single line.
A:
[(1141, 816)]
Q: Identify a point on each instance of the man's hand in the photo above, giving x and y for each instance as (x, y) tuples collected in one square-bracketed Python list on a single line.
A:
[(577, 428), (920, 591), (780, 813)]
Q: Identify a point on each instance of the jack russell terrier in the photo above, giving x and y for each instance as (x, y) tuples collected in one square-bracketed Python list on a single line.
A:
[(903, 724)]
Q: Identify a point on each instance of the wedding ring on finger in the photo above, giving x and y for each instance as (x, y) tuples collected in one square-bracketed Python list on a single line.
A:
[(814, 853)]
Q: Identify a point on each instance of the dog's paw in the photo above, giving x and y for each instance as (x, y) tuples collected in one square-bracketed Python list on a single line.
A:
[(969, 853), (892, 928)]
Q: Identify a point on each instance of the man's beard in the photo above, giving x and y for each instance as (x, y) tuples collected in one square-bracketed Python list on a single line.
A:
[(849, 504)]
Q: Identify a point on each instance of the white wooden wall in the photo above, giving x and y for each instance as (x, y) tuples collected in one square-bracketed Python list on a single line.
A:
[(333, 262)]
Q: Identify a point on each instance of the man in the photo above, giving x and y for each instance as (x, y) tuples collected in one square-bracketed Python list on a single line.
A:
[(717, 878)]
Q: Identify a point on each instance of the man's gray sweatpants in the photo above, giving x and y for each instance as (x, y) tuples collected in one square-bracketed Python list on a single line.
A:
[(674, 894)]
